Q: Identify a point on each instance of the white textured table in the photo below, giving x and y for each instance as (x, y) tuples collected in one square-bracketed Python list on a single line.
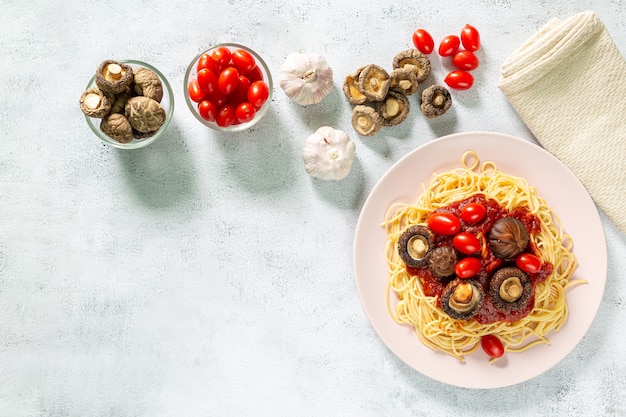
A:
[(208, 274)]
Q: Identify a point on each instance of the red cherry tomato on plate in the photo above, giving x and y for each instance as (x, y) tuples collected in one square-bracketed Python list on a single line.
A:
[(459, 80), (207, 80), (207, 110), (205, 61), (465, 60), (449, 45), (466, 243), (195, 92), (492, 346), (243, 60), (226, 115), (470, 37), (467, 267), (228, 80), (423, 41), (528, 262), (473, 212), (245, 112), (221, 56), (444, 223), (258, 93)]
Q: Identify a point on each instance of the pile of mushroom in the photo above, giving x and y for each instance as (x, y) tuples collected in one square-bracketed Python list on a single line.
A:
[(127, 101), (508, 289), (381, 98)]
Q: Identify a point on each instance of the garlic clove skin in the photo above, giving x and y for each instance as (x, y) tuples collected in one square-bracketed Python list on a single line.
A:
[(306, 78), (328, 154)]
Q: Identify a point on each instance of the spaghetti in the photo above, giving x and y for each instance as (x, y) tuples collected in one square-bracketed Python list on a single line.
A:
[(418, 306)]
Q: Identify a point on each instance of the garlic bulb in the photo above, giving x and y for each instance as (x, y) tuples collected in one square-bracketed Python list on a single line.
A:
[(306, 78), (328, 154)]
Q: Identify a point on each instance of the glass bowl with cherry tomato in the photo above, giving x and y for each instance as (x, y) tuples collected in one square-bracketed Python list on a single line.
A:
[(228, 87)]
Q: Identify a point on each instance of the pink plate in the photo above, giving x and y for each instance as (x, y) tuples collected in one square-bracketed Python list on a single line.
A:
[(562, 191)]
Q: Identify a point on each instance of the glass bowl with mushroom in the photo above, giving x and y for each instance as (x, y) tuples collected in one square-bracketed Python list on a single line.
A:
[(128, 104), (228, 87)]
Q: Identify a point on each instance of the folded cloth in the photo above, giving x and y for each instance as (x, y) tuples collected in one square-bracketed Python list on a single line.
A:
[(568, 84)]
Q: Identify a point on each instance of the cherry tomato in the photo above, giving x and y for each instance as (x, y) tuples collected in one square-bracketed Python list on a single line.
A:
[(218, 98), (245, 112), (228, 80), (221, 56), (205, 61), (443, 223), (528, 262), (459, 80), (195, 92), (466, 243), (207, 110), (449, 45), (492, 346), (467, 267), (243, 60), (258, 93), (465, 60), (423, 41), (226, 115), (473, 212), (255, 75), (241, 93), (207, 80), (470, 38)]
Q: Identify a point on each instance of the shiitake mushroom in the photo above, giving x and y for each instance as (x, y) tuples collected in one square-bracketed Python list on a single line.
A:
[(442, 260), (394, 108), (415, 61), (508, 237), (366, 120), (461, 299), (415, 244), (351, 88), (510, 289), (374, 82), (113, 76), (436, 100)]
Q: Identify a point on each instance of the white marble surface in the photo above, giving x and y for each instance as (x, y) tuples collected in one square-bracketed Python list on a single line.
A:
[(208, 274)]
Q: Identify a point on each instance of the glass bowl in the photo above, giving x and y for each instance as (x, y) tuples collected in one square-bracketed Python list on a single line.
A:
[(167, 102), (192, 73)]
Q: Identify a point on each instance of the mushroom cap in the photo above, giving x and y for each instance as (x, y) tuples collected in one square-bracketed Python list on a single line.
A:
[(506, 298), (95, 103), (473, 298), (404, 80), (351, 88), (415, 245), (144, 114), (117, 127), (374, 82), (394, 108), (366, 120), (148, 84), (508, 237), (442, 260), (113, 82), (414, 60), (436, 100)]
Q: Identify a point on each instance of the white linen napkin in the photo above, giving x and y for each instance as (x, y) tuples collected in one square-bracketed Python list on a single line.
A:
[(568, 84)]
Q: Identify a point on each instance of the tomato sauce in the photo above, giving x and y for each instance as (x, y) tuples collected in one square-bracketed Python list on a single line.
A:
[(433, 286)]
